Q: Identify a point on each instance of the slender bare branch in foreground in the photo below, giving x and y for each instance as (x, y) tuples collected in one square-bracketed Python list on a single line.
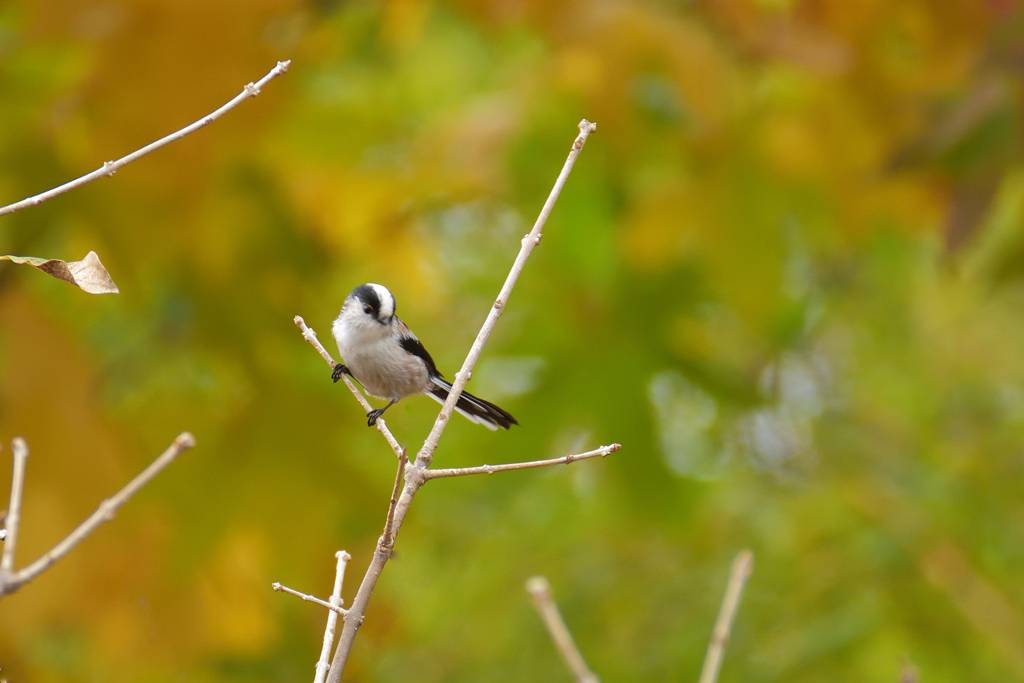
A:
[(109, 168), (742, 567), (10, 582), (540, 589), (426, 454), (382, 427), (324, 663), (14, 510), (414, 472), (403, 460), (908, 672), (491, 469), (308, 598)]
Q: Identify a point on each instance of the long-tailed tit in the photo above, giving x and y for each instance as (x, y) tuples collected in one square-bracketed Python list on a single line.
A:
[(383, 355)]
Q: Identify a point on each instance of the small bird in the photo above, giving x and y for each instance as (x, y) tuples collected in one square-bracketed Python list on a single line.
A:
[(383, 355)]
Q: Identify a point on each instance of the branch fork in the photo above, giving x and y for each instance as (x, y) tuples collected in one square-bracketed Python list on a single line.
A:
[(11, 580), (417, 472)]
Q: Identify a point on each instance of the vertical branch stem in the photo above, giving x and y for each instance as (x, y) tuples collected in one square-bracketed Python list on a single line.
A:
[(540, 589), (14, 510), (742, 567), (426, 454), (323, 665), (355, 614), (390, 523)]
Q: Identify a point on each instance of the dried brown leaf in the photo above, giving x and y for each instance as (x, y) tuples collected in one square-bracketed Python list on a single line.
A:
[(89, 275)]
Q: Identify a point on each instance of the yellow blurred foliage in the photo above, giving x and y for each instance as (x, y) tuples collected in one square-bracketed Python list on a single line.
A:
[(235, 596)]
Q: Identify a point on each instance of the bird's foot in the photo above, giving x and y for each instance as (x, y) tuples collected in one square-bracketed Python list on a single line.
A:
[(371, 417), (338, 371)]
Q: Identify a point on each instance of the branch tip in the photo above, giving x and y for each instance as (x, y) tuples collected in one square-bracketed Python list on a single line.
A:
[(586, 128), (185, 440), (343, 555), (538, 586), (540, 589), (741, 569)]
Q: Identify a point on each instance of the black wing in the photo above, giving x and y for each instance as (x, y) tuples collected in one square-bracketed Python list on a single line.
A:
[(415, 347)]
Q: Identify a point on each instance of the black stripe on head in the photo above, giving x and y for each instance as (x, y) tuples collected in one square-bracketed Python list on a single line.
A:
[(387, 301), (367, 296)]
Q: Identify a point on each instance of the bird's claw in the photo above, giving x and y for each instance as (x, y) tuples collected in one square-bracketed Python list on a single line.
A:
[(338, 371), (371, 417)]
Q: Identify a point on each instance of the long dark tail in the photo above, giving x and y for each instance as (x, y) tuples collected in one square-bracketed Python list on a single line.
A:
[(474, 409)]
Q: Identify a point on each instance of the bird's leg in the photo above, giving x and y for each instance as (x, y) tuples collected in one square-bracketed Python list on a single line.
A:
[(338, 371), (371, 417)]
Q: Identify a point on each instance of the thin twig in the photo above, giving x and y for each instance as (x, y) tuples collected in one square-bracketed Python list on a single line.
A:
[(308, 598), (908, 672), (105, 513), (414, 472), (14, 511), (426, 453), (491, 469), (389, 524), (742, 567), (540, 589), (310, 335), (109, 168), (323, 665)]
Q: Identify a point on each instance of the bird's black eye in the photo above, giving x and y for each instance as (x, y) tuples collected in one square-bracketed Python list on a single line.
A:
[(367, 309)]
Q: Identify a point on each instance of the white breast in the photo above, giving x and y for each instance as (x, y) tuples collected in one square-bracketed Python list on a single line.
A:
[(377, 361)]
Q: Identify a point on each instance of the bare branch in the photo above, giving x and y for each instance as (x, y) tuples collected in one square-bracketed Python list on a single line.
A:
[(491, 469), (324, 663), (414, 472), (426, 453), (14, 512), (388, 537), (382, 426), (12, 582), (908, 672), (109, 168), (308, 598), (540, 589), (742, 567)]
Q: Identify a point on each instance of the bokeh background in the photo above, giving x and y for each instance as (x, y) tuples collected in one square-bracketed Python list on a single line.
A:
[(787, 274)]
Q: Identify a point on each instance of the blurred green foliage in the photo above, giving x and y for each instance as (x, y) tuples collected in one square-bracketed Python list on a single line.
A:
[(786, 274)]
